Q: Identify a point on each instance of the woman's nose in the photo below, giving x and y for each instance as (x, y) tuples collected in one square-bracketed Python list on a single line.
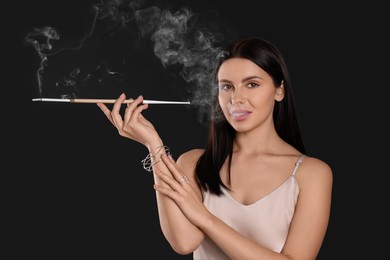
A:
[(237, 97)]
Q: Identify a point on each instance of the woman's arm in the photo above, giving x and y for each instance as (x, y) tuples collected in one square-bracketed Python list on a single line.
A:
[(183, 236), (177, 229)]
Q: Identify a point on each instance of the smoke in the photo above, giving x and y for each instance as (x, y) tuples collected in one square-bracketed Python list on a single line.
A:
[(180, 39)]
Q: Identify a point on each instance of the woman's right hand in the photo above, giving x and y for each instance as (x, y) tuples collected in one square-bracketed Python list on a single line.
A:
[(133, 125)]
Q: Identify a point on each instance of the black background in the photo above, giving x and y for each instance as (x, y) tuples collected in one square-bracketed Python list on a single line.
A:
[(75, 189)]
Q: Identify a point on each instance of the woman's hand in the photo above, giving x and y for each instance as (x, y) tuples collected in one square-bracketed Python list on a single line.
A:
[(182, 190), (133, 125)]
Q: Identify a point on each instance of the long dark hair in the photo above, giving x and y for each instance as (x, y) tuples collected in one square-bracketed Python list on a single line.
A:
[(221, 134)]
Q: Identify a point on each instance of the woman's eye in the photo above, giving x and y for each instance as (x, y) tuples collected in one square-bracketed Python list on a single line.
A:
[(226, 87), (253, 85)]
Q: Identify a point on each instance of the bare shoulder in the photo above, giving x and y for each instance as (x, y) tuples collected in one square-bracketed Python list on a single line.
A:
[(188, 160), (313, 171)]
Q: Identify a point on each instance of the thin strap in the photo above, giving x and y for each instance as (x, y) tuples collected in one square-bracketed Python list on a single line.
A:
[(298, 163)]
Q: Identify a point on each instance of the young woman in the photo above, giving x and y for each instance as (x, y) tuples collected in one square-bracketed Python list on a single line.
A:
[(253, 192)]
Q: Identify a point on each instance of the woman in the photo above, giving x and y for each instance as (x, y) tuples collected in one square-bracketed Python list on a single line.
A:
[(252, 193)]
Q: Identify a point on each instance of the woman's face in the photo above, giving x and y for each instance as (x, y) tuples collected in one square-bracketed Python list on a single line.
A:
[(246, 94)]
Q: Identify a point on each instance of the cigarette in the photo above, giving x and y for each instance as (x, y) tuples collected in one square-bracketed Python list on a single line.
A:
[(110, 101)]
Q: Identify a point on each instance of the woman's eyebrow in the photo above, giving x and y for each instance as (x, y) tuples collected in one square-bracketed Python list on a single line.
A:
[(224, 81), (243, 80), (251, 77)]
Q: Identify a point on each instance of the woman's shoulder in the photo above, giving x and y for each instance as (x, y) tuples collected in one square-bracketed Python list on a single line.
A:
[(316, 164), (190, 157), (313, 170)]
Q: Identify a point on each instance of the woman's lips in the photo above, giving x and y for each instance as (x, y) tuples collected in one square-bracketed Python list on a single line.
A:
[(239, 115)]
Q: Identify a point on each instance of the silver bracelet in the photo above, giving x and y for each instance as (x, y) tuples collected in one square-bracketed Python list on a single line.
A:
[(147, 162)]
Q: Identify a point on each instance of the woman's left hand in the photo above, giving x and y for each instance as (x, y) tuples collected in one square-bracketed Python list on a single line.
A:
[(181, 190)]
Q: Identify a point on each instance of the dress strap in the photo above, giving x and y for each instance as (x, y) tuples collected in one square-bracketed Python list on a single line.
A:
[(300, 159)]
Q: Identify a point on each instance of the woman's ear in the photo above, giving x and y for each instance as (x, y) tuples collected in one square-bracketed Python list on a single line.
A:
[(280, 92)]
